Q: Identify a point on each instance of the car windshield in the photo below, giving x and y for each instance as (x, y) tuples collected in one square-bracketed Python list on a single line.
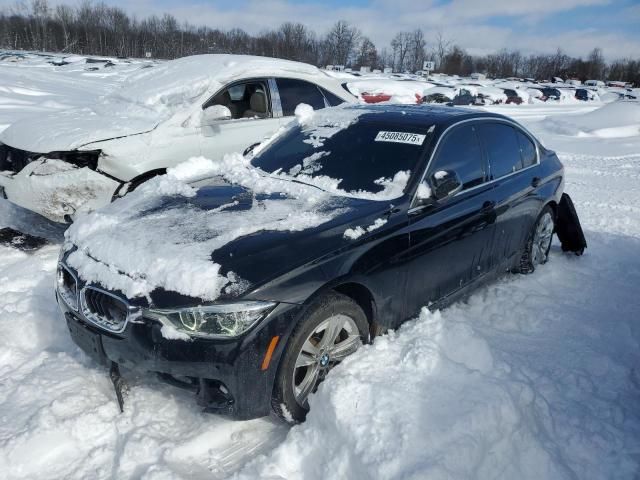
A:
[(369, 158), (158, 91)]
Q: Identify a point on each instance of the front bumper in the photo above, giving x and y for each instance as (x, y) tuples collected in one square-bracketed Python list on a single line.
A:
[(57, 190), (226, 374)]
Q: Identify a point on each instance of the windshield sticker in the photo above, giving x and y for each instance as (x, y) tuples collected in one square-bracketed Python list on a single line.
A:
[(400, 137)]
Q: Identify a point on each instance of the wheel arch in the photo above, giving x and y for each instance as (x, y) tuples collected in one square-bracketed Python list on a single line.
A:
[(363, 297), (554, 207)]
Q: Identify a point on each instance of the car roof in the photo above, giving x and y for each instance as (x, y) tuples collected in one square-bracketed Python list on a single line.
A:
[(423, 114), (200, 75)]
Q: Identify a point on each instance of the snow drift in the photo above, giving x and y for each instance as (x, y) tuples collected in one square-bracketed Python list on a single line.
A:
[(613, 120)]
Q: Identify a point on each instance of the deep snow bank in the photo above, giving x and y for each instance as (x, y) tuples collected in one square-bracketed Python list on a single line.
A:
[(613, 120), (517, 383)]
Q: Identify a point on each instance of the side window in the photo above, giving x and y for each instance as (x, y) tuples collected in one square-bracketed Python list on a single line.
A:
[(460, 152), (294, 92), (527, 150), (332, 99), (244, 100), (503, 149)]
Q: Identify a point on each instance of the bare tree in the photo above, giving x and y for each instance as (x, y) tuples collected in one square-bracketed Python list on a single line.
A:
[(400, 45), (367, 54), (417, 49), (340, 43), (98, 29), (442, 47)]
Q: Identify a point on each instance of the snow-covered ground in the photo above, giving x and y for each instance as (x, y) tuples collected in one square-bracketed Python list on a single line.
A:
[(532, 377)]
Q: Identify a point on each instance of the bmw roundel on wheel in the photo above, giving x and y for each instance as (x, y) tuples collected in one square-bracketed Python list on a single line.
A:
[(248, 278)]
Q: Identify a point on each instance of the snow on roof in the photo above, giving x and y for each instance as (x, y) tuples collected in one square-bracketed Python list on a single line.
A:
[(180, 82), (448, 92)]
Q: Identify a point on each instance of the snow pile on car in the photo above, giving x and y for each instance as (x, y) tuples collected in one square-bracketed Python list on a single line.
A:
[(171, 248), (405, 91), (174, 85)]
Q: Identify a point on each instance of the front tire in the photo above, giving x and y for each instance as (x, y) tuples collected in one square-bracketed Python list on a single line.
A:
[(539, 242), (333, 327)]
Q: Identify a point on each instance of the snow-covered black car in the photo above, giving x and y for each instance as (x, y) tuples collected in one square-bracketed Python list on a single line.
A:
[(247, 279)]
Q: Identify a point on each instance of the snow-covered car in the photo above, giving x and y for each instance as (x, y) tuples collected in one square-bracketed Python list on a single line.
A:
[(78, 160), (512, 96), (451, 95), (379, 90), (247, 279)]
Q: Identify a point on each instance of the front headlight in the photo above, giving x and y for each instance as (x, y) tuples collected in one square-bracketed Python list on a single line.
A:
[(223, 320)]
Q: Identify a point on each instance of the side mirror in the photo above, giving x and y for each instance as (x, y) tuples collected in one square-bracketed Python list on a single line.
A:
[(445, 183), (424, 195), (214, 113), (249, 150)]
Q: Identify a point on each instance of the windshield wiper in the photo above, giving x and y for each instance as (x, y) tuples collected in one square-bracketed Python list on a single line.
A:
[(293, 180)]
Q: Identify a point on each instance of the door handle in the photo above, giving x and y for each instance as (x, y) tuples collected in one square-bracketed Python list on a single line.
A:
[(535, 181)]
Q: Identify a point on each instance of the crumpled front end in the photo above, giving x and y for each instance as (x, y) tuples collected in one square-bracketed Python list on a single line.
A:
[(55, 188)]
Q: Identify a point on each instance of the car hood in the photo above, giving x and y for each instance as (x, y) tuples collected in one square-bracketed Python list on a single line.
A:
[(72, 129), (218, 242)]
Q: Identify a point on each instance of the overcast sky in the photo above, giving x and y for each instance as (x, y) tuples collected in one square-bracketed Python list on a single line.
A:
[(480, 26)]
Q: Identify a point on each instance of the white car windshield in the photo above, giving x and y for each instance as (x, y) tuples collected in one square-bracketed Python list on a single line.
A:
[(159, 91)]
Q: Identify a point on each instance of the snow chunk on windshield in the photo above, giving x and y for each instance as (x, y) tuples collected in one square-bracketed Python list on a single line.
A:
[(325, 123)]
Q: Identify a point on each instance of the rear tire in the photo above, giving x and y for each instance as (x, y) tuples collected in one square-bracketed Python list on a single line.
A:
[(333, 327), (536, 250)]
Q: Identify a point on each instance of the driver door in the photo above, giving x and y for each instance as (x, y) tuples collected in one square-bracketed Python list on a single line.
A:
[(251, 119), (451, 239)]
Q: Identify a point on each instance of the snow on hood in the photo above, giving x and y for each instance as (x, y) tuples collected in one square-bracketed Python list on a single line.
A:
[(143, 241), (495, 94), (140, 243), (446, 91), (71, 129)]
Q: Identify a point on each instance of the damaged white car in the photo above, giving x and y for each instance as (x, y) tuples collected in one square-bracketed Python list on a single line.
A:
[(78, 160)]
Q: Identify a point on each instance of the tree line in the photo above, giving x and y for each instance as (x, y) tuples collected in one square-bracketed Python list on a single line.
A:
[(98, 29)]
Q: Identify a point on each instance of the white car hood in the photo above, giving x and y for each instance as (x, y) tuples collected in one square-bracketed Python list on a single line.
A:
[(72, 129)]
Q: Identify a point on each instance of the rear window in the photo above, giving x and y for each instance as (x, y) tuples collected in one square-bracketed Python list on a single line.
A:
[(294, 92), (332, 99), (527, 150), (503, 148), (364, 156)]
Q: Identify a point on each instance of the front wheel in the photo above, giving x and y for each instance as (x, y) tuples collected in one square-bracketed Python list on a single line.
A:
[(333, 328), (539, 242)]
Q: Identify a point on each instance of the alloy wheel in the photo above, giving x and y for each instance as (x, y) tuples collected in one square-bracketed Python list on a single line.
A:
[(331, 342), (542, 239)]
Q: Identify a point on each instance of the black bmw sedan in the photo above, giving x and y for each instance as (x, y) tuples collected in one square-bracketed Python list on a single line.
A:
[(248, 279)]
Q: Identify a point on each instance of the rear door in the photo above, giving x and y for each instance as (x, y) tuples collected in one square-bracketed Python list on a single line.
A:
[(450, 241), (511, 156)]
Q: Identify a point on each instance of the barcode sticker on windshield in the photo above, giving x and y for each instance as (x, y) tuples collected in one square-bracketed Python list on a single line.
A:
[(400, 137)]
